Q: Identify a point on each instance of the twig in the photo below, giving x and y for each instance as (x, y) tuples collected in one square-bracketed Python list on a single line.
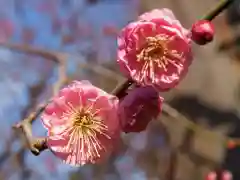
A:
[(36, 145), (172, 165), (102, 70), (56, 57), (174, 114), (218, 9), (62, 77), (7, 152), (35, 92), (33, 51)]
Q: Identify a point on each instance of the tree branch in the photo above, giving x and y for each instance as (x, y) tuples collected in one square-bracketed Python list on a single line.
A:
[(36, 145)]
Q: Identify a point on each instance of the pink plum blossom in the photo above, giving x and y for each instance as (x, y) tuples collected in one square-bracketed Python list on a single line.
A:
[(155, 50), (82, 124), (138, 108)]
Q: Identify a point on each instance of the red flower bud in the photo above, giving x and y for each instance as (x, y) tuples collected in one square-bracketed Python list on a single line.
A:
[(202, 32), (231, 144)]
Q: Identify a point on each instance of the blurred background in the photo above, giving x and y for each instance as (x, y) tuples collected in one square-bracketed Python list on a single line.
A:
[(85, 32)]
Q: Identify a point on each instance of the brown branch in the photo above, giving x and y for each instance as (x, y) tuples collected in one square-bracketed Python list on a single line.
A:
[(35, 92), (19, 160), (189, 134), (36, 145), (170, 112), (171, 171), (57, 57), (102, 71), (7, 152), (62, 77), (33, 51)]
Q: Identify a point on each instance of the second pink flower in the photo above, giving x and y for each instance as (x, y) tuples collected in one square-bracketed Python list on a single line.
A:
[(155, 50)]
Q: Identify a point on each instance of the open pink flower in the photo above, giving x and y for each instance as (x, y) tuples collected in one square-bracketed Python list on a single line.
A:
[(155, 50), (82, 123), (138, 108)]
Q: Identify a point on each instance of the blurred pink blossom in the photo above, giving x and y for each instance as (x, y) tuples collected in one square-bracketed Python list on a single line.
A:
[(28, 35), (211, 176), (225, 175), (68, 39), (155, 50), (73, 21), (48, 7), (51, 165), (56, 25), (110, 30), (83, 30), (6, 30), (82, 124)]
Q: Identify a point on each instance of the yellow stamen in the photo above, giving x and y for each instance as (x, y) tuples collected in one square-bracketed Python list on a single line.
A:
[(156, 50), (83, 133)]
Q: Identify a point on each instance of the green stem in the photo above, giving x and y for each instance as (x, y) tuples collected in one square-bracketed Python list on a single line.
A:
[(218, 9)]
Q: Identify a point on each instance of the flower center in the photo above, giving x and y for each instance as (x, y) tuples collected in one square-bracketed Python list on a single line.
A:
[(82, 118), (156, 50), (85, 131), (87, 123)]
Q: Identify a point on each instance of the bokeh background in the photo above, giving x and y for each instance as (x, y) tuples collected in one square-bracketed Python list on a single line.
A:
[(85, 31)]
